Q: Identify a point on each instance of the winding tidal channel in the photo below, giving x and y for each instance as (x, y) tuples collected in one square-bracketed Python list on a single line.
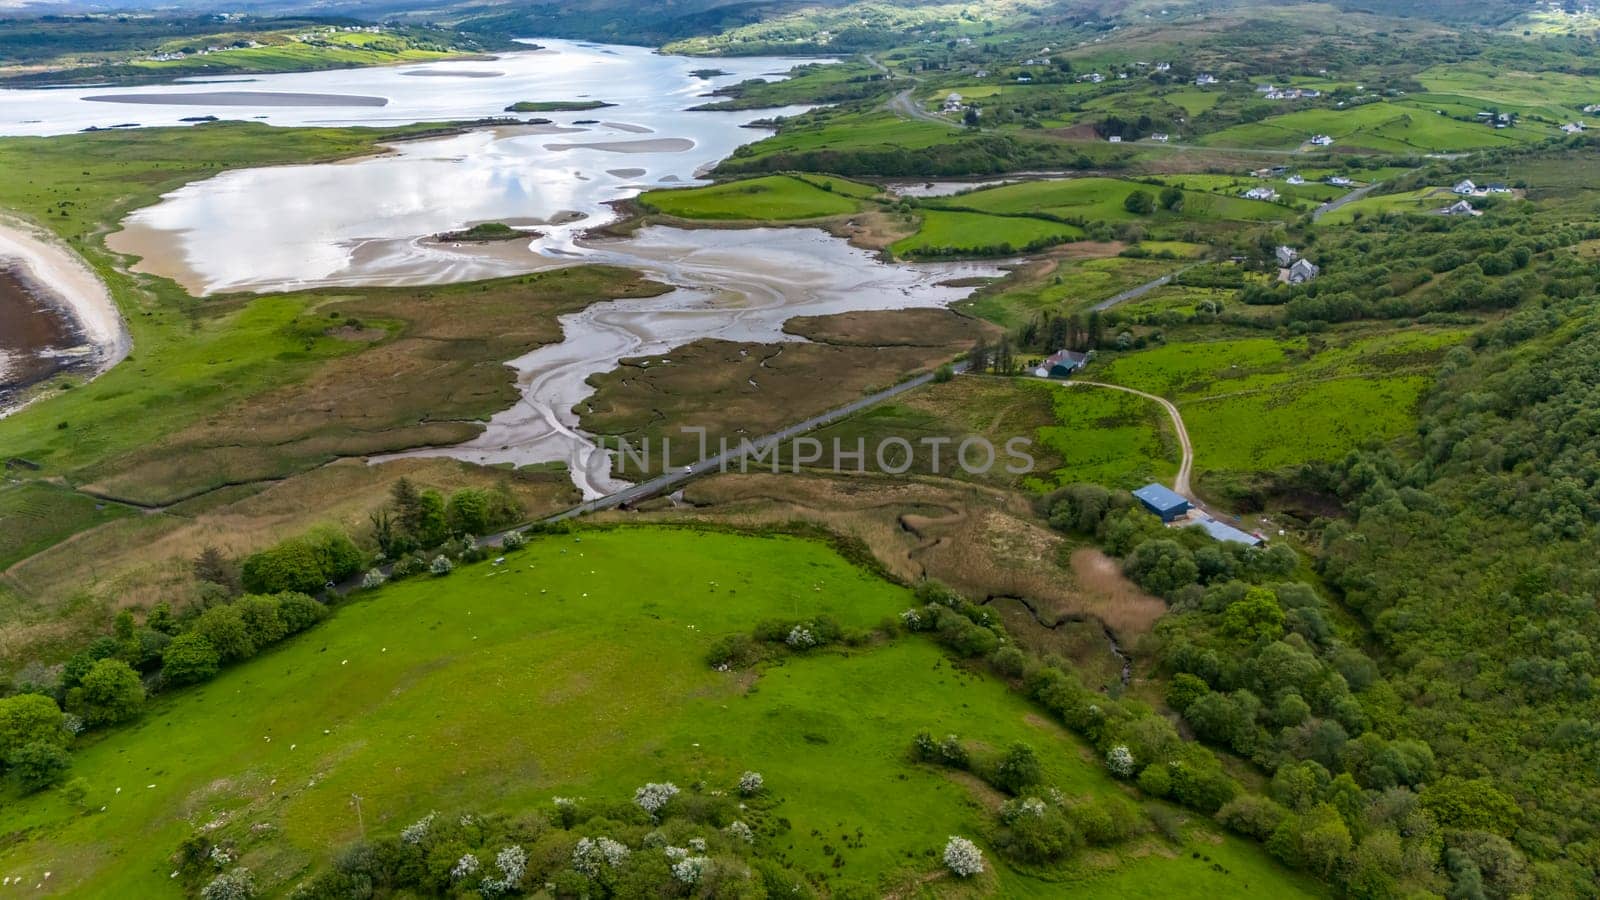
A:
[(368, 221)]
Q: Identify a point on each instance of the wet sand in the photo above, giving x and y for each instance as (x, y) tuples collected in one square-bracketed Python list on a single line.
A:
[(55, 312), (453, 73), (242, 98), (658, 145)]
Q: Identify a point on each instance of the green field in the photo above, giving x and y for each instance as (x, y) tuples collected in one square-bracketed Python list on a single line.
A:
[(36, 515), (577, 669), (1105, 437), (772, 198), (1257, 404), (1403, 127), (953, 233), (1074, 286), (1101, 199), (1422, 200)]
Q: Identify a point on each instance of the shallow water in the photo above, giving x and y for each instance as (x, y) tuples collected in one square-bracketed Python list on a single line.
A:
[(639, 80), (365, 221), (369, 221)]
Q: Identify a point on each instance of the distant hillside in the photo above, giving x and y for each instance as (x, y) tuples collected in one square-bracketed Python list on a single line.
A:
[(1453, 12)]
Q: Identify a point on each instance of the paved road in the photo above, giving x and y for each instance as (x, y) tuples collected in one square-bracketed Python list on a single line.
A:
[(904, 104), (1332, 205), (1139, 291), (1186, 466), (729, 460)]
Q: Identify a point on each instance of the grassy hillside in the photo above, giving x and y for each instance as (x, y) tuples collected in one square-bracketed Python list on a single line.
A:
[(578, 669)]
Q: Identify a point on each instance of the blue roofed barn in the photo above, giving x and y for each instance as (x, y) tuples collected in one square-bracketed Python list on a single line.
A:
[(1163, 501)]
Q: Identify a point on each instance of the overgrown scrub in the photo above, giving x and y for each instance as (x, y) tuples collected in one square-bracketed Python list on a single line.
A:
[(700, 843)]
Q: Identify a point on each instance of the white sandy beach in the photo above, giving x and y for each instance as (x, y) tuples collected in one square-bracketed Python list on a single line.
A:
[(72, 284)]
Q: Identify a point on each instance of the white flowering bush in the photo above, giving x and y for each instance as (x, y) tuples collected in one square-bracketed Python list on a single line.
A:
[(417, 831), (1119, 760), (801, 638), (739, 831), (372, 579), (1014, 811), (911, 619), (751, 783), (465, 867), (512, 862), (593, 854), (236, 885), (441, 565), (220, 856), (514, 540), (675, 853), (73, 724), (690, 869), (962, 857), (654, 797), (697, 844)]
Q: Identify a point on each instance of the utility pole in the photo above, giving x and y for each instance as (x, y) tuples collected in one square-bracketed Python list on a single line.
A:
[(361, 822)]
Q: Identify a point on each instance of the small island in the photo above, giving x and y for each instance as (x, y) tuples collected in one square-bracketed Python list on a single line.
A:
[(709, 73), (524, 106), (485, 233)]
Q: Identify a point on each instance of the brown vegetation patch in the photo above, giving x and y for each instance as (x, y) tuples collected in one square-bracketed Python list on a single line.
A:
[(892, 328), (429, 385), (874, 228), (64, 594), (982, 541), (743, 391)]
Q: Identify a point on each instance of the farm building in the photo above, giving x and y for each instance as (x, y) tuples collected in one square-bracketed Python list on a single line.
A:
[(1340, 181), (1222, 531), (1163, 501), (1322, 140), (1459, 208), (1061, 364), (1287, 256)]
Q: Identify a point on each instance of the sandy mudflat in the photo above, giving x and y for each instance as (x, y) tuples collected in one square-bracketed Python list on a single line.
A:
[(454, 73), (67, 280), (631, 129), (657, 145), (625, 173), (242, 98)]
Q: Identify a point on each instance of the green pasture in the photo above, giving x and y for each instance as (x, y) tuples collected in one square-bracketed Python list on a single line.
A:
[(577, 669), (772, 198)]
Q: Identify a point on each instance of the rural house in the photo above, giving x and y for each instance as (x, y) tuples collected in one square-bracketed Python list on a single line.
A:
[(1163, 501), (1303, 271), (1287, 256), (1322, 140), (1465, 188), (1261, 193), (1061, 364), (1459, 208)]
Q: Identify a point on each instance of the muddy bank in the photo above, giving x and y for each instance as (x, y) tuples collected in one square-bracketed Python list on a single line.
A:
[(55, 314)]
